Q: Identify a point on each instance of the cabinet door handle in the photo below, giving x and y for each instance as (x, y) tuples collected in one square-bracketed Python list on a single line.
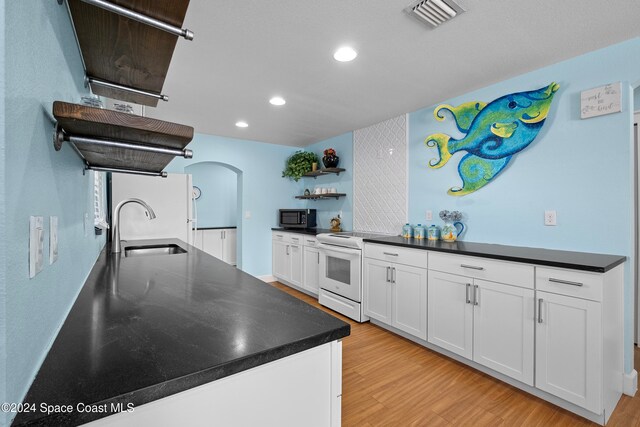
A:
[(468, 287), (475, 295), (565, 282), (390, 254), (318, 257), (540, 300), (388, 269), (287, 249), (473, 267), (393, 275), (224, 234)]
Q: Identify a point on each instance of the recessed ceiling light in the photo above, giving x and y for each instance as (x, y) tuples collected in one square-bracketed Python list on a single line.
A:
[(345, 54), (277, 100), (242, 124)]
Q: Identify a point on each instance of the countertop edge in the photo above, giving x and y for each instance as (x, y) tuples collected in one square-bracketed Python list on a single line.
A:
[(548, 263), (187, 382)]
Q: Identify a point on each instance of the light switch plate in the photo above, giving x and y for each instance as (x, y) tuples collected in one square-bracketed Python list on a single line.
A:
[(550, 218), (36, 244), (429, 215), (53, 239)]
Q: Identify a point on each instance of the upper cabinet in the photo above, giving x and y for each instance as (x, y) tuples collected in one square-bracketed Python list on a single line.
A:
[(127, 45)]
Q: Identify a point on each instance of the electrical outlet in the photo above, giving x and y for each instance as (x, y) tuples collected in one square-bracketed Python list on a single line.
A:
[(247, 214), (550, 218), (429, 215)]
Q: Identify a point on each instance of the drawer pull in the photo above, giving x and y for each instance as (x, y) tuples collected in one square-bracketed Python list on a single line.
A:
[(565, 282), (473, 267), (295, 238), (279, 235), (389, 253), (540, 300)]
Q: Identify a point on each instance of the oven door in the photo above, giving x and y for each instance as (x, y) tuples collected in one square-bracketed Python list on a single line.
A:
[(340, 271)]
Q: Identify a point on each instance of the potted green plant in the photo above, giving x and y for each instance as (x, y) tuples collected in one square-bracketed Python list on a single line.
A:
[(298, 164)]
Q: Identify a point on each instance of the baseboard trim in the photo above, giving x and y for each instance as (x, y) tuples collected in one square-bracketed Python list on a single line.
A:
[(267, 278), (630, 383)]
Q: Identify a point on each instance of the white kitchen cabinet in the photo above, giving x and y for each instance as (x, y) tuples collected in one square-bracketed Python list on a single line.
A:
[(394, 293), (450, 313), (489, 323), (311, 269), (280, 259), (568, 352), (288, 258), (296, 266), (220, 243), (503, 329), (377, 290)]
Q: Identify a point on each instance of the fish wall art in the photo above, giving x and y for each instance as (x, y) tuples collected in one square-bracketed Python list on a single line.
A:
[(494, 133)]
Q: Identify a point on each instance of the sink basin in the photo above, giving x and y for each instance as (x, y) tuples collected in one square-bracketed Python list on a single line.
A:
[(153, 250)]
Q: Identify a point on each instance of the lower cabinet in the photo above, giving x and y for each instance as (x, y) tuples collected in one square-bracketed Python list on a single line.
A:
[(289, 261), (569, 357), (489, 323), (396, 294), (220, 243), (311, 268)]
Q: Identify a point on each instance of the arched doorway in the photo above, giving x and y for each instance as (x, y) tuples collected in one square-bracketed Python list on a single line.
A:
[(220, 201)]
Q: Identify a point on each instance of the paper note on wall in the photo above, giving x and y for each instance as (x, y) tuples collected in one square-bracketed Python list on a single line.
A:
[(601, 100)]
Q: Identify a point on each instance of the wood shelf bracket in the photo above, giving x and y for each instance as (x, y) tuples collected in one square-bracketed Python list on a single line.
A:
[(142, 18)]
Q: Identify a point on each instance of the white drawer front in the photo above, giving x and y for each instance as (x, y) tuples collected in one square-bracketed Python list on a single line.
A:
[(293, 238), (512, 273), (581, 284), (415, 257), (310, 241)]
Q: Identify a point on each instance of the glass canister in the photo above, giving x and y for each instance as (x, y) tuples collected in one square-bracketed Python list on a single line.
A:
[(407, 231), (419, 232), (433, 232)]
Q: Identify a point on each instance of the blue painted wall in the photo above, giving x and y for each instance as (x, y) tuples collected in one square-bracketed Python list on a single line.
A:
[(43, 65), (580, 168), (3, 237), (217, 205), (262, 190), (327, 209)]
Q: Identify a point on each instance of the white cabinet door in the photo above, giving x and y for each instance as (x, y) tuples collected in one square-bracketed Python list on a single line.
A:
[(280, 259), (503, 329), (295, 260), (212, 242), (229, 245), (569, 349), (409, 296), (377, 290), (311, 269), (450, 314)]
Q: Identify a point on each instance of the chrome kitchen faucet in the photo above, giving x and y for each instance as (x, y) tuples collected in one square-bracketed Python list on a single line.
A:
[(115, 232)]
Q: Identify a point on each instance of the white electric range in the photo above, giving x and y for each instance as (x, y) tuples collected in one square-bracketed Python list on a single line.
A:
[(341, 272)]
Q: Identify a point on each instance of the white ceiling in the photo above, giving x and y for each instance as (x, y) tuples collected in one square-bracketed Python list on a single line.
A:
[(244, 52)]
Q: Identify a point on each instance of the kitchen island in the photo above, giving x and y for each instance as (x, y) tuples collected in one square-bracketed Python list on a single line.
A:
[(156, 327)]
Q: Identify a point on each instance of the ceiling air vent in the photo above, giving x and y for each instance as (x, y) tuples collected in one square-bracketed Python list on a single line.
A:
[(434, 12)]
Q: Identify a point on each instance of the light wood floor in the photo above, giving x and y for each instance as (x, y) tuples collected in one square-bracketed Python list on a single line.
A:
[(391, 381)]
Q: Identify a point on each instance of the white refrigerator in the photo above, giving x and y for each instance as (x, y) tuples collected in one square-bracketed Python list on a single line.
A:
[(170, 198)]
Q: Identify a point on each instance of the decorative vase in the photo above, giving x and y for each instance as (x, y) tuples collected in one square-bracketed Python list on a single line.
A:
[(330, 161), (450, 231)]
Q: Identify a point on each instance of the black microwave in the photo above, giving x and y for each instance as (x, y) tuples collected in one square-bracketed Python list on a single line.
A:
[(297, 218)]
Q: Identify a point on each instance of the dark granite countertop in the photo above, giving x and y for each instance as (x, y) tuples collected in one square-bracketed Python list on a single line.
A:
[(147, 327), (309, 231), (550, 257)]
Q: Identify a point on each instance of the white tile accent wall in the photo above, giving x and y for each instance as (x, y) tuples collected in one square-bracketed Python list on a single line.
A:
[(380, 176)]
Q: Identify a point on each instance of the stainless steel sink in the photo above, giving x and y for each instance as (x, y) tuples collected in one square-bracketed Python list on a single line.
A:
[(170, 249)]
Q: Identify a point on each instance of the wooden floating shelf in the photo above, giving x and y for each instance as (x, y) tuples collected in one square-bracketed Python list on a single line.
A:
[(326, 171), (119, 140), (322, 196), (126, 52)]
